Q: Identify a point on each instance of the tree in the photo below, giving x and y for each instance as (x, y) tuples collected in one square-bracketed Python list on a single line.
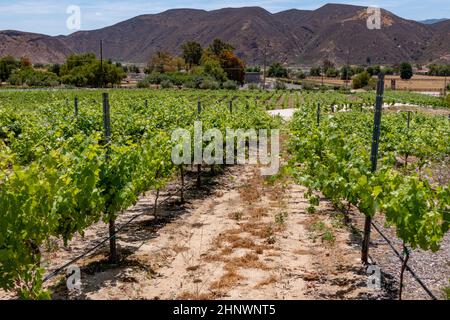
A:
[(406, 71), (346, 73), (213, 68), (374, 70), (55, 68), (233, 66), (276, 70), (332, 72), (85, 70), (7, 65), (315, 71), (327, 64), (134, 69), (218, 46), (25, 62), (192, 53), (253, 69), (163, 61), (357, 70)]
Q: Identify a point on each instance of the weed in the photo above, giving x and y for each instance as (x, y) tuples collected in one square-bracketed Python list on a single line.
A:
[(280, 218), (328, 236), (237, 215), (311, 209)]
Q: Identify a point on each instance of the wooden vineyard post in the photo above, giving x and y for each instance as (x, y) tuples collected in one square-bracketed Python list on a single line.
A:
[(75, 107), (231, 106), (318, 114), (112, 222), (408, 119), (402, 272), (373, 159), (199, 166), (182, 183), (146, 104), (199, 106)]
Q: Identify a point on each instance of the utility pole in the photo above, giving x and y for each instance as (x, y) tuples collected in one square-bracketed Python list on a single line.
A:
[(347, 73), (265, 63), (322, 72), (101, 61), (445, 84)]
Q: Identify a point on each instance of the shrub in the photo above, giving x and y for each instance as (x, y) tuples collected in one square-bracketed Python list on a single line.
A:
[(143, 84), (166, 84), (280, 85), (190, 84), (361, 80), (230, 85), (300, 74), (388, 71), (33, 78), (176, 78), (277, 70), (253, 69), (253, 86), (306, 85), (332, 73), (209, 84), (344, 90)]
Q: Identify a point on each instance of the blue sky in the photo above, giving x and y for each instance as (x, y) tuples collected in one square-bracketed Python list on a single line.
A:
[(49, 17)]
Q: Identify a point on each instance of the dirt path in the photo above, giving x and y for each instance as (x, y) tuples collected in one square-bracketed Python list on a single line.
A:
[(281, 101), (286, 114), (237, 243), (240, 237)]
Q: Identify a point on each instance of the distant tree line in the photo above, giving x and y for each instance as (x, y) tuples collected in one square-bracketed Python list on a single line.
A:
[(439, 70), (83, 70)]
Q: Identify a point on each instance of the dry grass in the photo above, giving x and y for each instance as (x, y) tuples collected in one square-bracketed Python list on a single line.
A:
[(257, 212), (266, 282), (243, 243), (178, 248), (194, 296), (229, 280), (257, 229), (249, 261), (249, 194), (226, 251), (192, 268)]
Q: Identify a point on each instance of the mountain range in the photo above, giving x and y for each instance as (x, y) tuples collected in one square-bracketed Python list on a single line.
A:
[(335, 32)]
